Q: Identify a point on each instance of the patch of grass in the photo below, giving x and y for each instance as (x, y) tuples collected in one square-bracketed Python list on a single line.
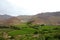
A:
[(23, 31)]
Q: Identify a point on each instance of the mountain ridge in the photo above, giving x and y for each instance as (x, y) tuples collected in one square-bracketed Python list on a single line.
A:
[(48, 18)]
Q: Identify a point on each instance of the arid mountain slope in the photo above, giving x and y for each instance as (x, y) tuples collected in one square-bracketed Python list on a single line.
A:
[(3, 18), (12, 21), (24, 18), (49, 18)]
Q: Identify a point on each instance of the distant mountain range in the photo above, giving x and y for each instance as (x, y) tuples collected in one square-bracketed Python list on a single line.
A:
[(3, 18), (48, 18)]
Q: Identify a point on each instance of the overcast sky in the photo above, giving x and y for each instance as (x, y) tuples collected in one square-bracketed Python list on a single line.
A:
[(28, 7)]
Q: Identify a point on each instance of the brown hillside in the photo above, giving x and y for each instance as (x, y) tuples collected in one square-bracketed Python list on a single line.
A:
[(12, 21), (49, 18)]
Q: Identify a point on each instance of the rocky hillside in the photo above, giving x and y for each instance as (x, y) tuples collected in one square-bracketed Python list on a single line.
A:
[(12, 21), (3, 18), (50, 18), (24, 18)]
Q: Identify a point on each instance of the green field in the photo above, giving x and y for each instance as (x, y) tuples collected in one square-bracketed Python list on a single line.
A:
[(31, 32)]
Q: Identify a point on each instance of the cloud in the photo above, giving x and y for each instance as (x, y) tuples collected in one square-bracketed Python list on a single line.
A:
[(28, 7), (8, 8)]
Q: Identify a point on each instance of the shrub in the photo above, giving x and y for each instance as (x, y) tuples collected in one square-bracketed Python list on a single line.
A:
[(57, 36), (1, 38), (42, 25), (48, 38), (35, 32), (14, 27)]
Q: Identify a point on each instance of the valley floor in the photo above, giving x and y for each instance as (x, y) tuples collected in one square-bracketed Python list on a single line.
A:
[(30, 32)]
